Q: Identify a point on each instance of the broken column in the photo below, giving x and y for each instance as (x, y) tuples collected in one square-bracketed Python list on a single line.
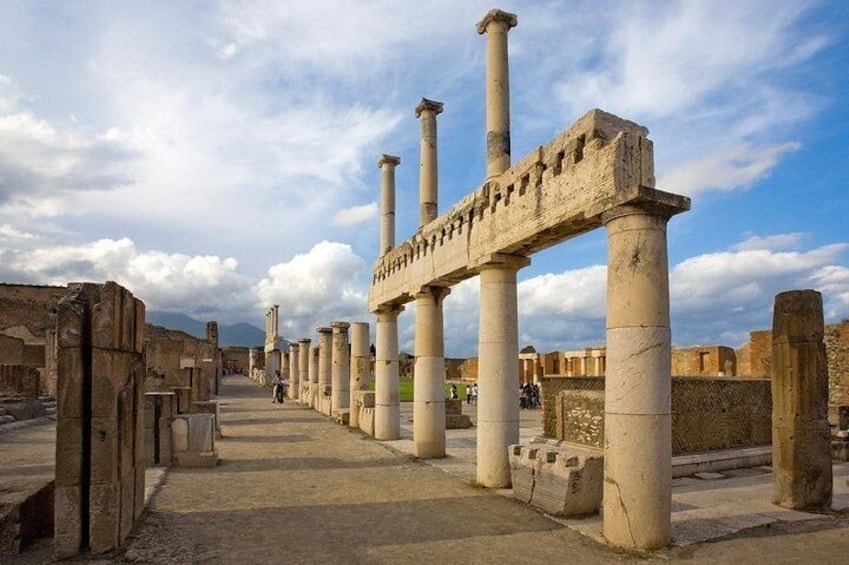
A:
[(294, 370), (303, 369), (340, 371), (496, 24), (387, 403), (427, 111), (429, 375), (498, 371), (313, 376), (637, 417), (801, 439), (360, 367), (325, 362), (387, 165)]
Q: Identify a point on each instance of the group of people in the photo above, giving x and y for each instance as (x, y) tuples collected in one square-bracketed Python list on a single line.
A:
[(471, 393), (278, 390), (529, 396)]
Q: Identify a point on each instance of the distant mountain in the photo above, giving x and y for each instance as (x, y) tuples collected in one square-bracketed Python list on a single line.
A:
[(241, 334)]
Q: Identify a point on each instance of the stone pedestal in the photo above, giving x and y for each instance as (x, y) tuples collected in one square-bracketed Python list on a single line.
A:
[(801, 439), (638, 437), (360, 366), (429, 375), (340, 372), (193, 440), (387, 409), (498, 371)]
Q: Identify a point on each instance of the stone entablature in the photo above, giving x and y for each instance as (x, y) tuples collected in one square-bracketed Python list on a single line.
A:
[(557, 192)]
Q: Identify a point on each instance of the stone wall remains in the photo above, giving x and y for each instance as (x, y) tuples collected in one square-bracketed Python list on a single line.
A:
[(704, 361), (708, 414), (19, 381), (100, 450), (176, 359)]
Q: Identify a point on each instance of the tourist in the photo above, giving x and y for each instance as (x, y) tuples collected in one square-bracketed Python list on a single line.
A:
[(277, 389), (454, 391), (468, 393), (475, 393)]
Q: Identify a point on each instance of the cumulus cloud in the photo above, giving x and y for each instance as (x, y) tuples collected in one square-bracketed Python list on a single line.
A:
[(770, 242), (355, 215), (329, 282), (202, 286)]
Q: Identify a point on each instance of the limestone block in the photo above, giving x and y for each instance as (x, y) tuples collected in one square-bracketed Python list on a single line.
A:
[(453, 406), (522, 469), (457, 421), (838, 416), (568, 485), (367, 420), (179, 435), (104, 451), (201, 432), (342, 416), (67, 529), (365, 398), (104, 502)]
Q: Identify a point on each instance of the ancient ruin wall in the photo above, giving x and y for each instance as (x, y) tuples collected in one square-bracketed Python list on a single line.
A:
[(177, 359), (707, 413)]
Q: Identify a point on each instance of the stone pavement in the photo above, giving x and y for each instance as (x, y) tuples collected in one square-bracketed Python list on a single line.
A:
[(292, 487)]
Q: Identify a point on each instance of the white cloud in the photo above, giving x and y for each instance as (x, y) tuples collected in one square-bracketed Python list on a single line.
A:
[(355, 215), (729, 168), (9, 232), (770, 242), (313, 289)]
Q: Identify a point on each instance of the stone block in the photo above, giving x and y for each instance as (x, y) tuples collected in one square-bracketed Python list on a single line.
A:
[(367, 420), (67, 530), (457, 421), (104, 506), (453, 406), (555, 481), (341, 416), (104, 451), (195, 460)]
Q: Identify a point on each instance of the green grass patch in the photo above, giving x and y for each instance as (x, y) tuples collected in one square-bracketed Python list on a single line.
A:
[(406, 390)]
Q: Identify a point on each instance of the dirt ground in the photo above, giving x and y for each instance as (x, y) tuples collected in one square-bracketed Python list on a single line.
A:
[(292, 487)]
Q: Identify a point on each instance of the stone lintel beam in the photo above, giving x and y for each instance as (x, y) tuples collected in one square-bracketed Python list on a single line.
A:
[(506, 19), (499, 259), (427, 105)]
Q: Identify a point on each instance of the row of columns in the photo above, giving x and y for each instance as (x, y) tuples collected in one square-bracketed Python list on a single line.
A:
[(637, 485)]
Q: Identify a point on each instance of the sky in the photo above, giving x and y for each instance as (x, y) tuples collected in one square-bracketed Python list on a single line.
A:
[(220, 157)]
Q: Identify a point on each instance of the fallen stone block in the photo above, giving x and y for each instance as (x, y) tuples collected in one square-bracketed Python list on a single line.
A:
[(457, 421), (522, 469), (341, 417)]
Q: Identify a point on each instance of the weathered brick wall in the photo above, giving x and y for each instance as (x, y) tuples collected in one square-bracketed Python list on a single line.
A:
[(760, 353), (19, 381), (707, 413), (100, 451), (705, 361)]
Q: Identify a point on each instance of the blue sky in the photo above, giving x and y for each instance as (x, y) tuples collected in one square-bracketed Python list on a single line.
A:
[(219, 157)]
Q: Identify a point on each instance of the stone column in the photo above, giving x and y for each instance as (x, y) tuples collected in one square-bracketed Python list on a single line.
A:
[(253, 353), (313, 376), (325, 358), (284, 366), (496, 24), (429, 375), (360, 367), (637, 418), (498, 371), (303, 368), (801, 437), (341, 368), (427, 110), (387, 406), (387, 164), (294, 370)]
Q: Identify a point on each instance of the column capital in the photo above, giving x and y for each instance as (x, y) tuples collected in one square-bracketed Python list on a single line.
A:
[(324, 330), (437, 292), (388, 310), (659, 209), (305, 340), (340, 327), (500, 261), (497, 16), (388, 160), (429, 106), (293, 346)]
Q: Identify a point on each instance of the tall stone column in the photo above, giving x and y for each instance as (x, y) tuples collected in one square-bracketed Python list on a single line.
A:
[(387, 401), (427, 111), (294, 370), (303, 369), (498, 369), (325, 361), (801, 437), (387, 165), (637, 418), (313, 376), (341, 368), (429, 377), (284, 365), (495, 24), (360, 367)]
